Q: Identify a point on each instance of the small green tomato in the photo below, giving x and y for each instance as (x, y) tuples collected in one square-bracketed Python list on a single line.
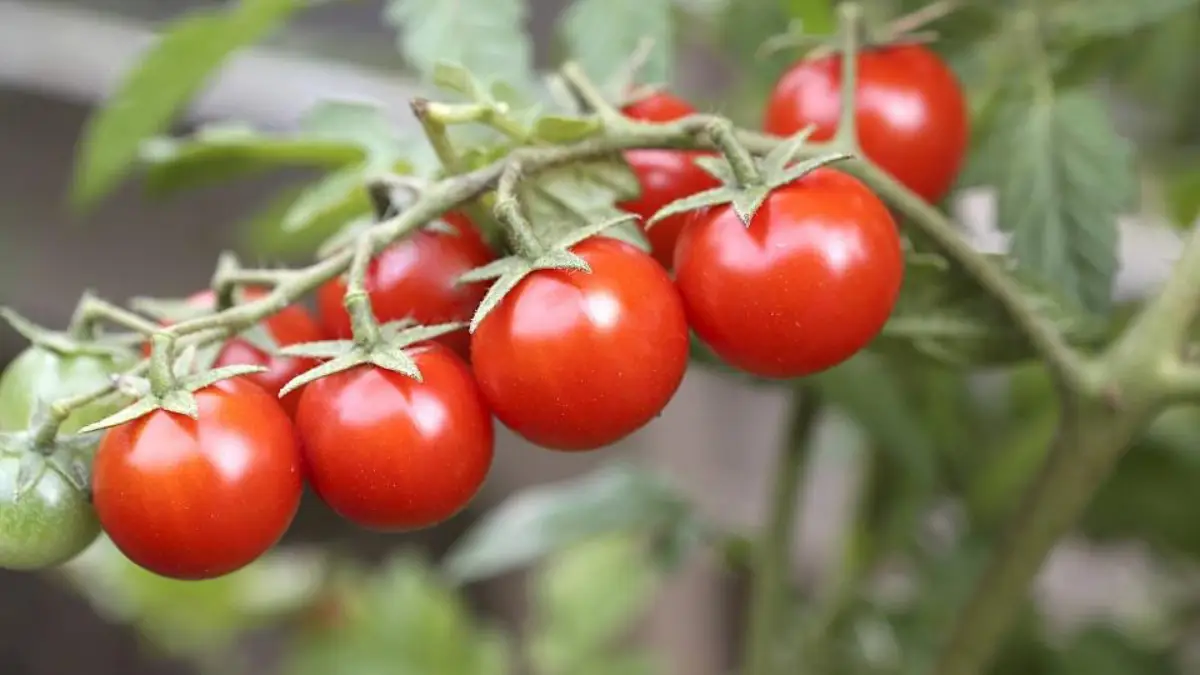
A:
[(44, 522), (42, 374)]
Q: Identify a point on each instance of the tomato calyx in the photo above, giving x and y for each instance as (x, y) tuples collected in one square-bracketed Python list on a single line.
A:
[(69, 455), (745, 182), (508, 272), (387, 348)]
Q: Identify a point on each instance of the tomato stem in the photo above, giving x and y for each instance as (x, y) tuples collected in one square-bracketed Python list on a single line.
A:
[(851, 28), (357, 301), (92, 309), (520, 231), (772, 555), (589, 96), (223, 288), (162, 354), (741, 162)]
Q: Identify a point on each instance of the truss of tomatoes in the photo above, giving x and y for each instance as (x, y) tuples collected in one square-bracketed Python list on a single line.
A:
[(569, 360)]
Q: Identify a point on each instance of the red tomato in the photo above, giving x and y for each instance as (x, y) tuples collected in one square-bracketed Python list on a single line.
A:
[(810, 282), (912, 117), (665, 175), (576, 361), (390, 453), (291, 326), (196, 499), (417, 278)]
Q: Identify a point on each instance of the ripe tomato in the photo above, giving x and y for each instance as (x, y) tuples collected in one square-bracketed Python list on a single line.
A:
[(912, 117), (665, 175), (390, 453), (196, 499), (50, 523), (575, 361), (417, 278), (810, 282), (39, 373), (291, 326)]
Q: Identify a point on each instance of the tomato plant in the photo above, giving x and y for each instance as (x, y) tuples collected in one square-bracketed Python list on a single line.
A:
[(43, 374), (47, 523), (390, 453), (911, 112), (417, 278), (575, 361), (195, 499), (664, 175), (809, 282)]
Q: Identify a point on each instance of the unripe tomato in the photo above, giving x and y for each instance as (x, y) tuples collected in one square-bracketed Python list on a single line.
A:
[(665, 175), (199, 498), (911, 114), (417, 278), (390, 453), (808, 283), (50, 523), (42, 374), (576, 361)]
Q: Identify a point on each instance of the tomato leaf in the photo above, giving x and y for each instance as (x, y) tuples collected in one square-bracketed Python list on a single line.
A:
[(162, 82), (1100, 18), (561, 201), (486, 38), (548, 518), (600, 35), (586, 598), (263, 232), (1062, 175)]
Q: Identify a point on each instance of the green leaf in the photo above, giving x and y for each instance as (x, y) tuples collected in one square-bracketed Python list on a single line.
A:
[(363, 125), (1062, 176), (161, 83), (263, 232), (1100, 18), (601, 34), (548, 518), (560, 201), (816, 16), (486, 38), (402, 621), (586, 598), (332, 194), (1183, 198)]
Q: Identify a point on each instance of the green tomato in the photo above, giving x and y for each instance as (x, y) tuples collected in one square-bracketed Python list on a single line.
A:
[(48, 523), (40, 373)]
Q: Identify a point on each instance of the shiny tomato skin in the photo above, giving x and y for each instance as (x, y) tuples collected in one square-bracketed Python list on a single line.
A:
[(808, 284), (574, 361), (912, 116), (417, 278), (665, 175), (389, 453), (197, 499)]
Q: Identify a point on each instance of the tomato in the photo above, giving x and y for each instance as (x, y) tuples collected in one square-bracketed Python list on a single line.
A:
[(50, 523), (196, 499), (912, 116), (576, 361), (39, 373), (390, 453), (665, 175), (810, 282), (291, 326), (417, 277)]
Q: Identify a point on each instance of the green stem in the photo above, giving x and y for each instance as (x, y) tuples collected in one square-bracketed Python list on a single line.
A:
[(92, 309), (745, 170), (773, 551), (520, 232), (590, 97), (162, 352), (357, 301), (851, 17), (435, 131), (222, 284)]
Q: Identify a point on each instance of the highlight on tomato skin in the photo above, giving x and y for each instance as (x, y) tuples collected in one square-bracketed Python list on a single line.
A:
[(573, 361), (389, 453), (809, 283), (665, 175), (417, 278), (197, 499), (911, 113)]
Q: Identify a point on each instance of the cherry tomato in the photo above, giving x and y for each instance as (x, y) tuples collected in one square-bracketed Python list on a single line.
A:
[(196, 499), (291, 326), (576, 361), (912, 117), (40, 373), (49, 523), (417, 278), (665, 175), (390, 453), (810, 282)]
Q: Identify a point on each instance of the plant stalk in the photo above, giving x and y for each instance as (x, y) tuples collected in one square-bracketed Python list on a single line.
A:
[(772, 554)]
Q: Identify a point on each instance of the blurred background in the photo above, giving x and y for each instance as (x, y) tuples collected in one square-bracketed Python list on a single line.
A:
[(716, 441)]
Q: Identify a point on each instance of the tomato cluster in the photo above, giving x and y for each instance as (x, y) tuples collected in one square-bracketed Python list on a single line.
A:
[(570, 360)]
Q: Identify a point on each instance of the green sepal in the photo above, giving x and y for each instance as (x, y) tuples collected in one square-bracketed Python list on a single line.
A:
[(564, 129), (508, 272), (390, 352), (69, 455), (179, 399), (61, 343)]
